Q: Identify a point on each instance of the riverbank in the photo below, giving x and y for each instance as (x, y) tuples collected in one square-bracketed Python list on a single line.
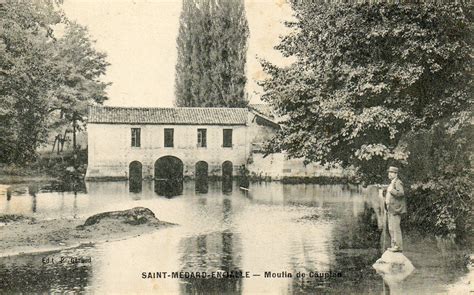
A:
[(22, 234), (48, 167)]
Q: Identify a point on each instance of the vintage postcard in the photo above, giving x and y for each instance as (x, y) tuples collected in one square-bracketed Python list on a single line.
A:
[(236, 147)]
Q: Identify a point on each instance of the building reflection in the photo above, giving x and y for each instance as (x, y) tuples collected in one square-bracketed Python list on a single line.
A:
[(227, 209), (135, 186), (227, 185), (202, 185), (169, 187), (214, 252)]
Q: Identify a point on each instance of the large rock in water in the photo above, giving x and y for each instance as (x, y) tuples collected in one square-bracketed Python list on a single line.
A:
[(394, 266), (135, 216)]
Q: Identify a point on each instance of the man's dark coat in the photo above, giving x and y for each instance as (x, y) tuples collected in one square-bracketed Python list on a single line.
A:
[(397, 203)]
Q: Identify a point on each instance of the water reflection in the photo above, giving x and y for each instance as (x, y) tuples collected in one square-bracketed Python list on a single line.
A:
[(273, 227), (32, 190), (169, 187), (227, 185), (202, 185), (215, 252), (135, 186), (28, 274)]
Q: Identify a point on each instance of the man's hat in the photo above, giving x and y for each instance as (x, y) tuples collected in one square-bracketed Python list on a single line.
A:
[(393, 169)]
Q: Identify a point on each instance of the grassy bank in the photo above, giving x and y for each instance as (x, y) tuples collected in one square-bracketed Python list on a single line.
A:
[(48, 167)]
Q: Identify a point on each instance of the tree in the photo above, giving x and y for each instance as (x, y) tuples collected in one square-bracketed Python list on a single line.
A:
[(212, 47), (370, 84), (365, 76), (45, 79), (78, 69), (26, 74)]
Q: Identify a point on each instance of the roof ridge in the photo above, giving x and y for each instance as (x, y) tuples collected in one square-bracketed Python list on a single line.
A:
[(171, 115)]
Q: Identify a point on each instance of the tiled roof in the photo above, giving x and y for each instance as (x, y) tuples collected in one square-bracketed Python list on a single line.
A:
[(263, 109), (178, 116)]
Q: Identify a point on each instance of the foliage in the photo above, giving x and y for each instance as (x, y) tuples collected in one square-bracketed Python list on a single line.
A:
[(440, 199), (78, 68), (380, 84), (212, 48), (365, 76), (45, 79)]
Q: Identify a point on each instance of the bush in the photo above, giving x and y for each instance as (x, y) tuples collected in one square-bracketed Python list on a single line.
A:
[(439, 176), (442, 207)]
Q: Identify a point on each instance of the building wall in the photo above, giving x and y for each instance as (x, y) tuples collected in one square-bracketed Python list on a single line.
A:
[(257, 133), (278, 166), (110, 150)]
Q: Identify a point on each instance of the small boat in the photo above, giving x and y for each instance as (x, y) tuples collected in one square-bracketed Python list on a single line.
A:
[(244, 188)]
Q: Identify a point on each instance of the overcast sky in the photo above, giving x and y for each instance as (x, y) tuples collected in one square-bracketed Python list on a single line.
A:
[(139, 37)]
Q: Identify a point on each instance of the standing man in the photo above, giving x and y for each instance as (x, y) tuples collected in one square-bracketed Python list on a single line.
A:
[(396, 206)]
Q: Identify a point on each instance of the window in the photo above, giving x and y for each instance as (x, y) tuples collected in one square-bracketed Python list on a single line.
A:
[(136, 137), (169, 137), (227, 138), (202, 140)]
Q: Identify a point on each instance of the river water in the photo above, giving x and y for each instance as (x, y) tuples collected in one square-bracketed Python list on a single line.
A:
[(329, 232)]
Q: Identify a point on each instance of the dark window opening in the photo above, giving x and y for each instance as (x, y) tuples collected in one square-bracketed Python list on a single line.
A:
[(227, 138), (202, 138), (169, 137), (136, 137)]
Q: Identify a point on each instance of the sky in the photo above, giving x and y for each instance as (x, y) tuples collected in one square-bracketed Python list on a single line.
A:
[(139, 37)]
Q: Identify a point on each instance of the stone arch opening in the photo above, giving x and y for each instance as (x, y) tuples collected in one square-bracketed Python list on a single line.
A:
[(135, 177), (169, 167), (135, 171), (201, 169), (169, 176)]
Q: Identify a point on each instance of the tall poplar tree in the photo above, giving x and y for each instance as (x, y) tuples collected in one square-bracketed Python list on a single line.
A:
[(212, 48)]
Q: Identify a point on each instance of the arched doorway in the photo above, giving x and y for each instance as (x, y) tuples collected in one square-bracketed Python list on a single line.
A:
[(135, 176), (201, 181), (169, 176), (201, 169), (169, 167), (135, 171)]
